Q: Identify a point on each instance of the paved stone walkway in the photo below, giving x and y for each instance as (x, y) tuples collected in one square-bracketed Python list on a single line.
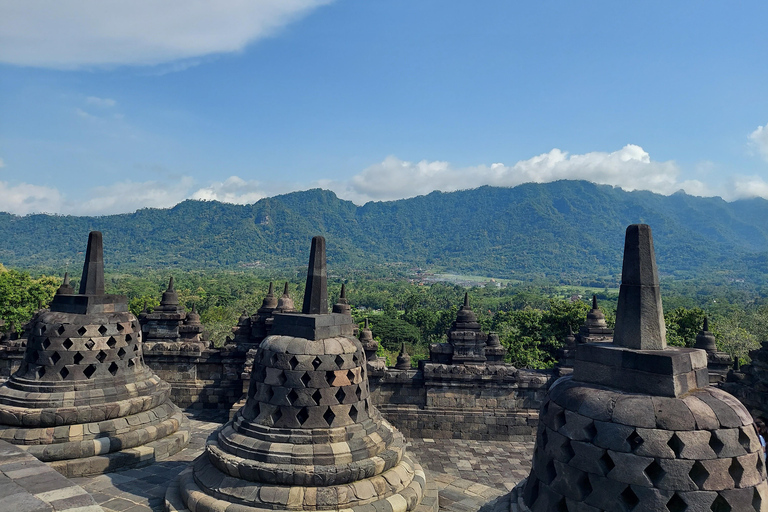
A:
[(468, 474), (497, 464), (28, 485)]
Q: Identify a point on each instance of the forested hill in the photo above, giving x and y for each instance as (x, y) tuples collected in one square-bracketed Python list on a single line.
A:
[(565, 228)]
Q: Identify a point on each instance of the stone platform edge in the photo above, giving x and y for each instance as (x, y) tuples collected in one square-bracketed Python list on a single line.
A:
[(28, 484)]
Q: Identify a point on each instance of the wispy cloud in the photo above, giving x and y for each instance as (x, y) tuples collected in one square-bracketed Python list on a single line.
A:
[(129, 196), (99, 110), (70, 34), (85, 115), (100, 102), (759, 140), (742, 187)]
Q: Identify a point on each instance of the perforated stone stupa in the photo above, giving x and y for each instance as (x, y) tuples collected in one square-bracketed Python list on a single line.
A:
[(83, 400), (308, 437), (637, 427)]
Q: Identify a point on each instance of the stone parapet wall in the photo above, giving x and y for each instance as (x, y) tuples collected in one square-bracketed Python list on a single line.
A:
[(199, 378), (478, 424), (483, 402)]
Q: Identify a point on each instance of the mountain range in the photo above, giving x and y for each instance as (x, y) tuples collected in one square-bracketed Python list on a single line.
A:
[(564, 230)]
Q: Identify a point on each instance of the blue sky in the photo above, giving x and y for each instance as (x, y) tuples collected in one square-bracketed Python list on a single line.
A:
[(109, 106)]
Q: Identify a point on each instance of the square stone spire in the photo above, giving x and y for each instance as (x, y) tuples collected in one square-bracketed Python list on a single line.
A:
[(316, 291), (314, 322), (92, 297), (92, 282), (639, 314), (638, 360)]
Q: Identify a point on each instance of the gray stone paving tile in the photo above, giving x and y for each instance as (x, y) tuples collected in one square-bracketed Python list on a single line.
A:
[(24, 502), (61, 494), (117, 505), (82, 500), (101, 497), (43, 482)]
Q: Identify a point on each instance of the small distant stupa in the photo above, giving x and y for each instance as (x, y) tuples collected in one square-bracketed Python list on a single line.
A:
[(467, 343)]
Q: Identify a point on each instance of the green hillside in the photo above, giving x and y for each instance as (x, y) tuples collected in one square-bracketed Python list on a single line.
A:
[(566, 230)]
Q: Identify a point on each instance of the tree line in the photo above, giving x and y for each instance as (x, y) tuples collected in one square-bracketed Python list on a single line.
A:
[(532, 320)]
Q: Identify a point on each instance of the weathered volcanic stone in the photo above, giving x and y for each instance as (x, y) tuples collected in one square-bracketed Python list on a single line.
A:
[(170, 323), (83, 399), (637, 360), (718, 362), (639, 315), (92, 282), (308, 436)]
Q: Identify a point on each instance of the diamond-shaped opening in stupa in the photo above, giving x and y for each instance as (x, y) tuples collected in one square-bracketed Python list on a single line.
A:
[(329, 416), (89, 371)]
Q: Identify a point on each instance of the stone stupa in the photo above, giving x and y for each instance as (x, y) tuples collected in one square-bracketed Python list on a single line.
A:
[(718, 363), (308, 436), (466, 342), (637, 426), (170, 327), (595, 328), (83, 400)]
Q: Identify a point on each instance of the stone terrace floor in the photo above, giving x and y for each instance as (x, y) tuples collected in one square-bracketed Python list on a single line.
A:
[(468, 474)]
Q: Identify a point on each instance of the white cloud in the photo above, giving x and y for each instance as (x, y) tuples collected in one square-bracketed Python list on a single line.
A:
[(759, 140), (68, 34), (24, 198), (125, 196), (100, 102), (744, 187), (630, 168), (234, 190), (129, 196)]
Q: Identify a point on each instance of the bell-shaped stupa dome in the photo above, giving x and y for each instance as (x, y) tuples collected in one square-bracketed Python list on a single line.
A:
[(308, 436), (637, 426), (83, 399)]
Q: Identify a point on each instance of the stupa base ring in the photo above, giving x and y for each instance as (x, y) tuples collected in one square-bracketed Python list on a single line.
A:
[(138, 456), (419, 496)]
